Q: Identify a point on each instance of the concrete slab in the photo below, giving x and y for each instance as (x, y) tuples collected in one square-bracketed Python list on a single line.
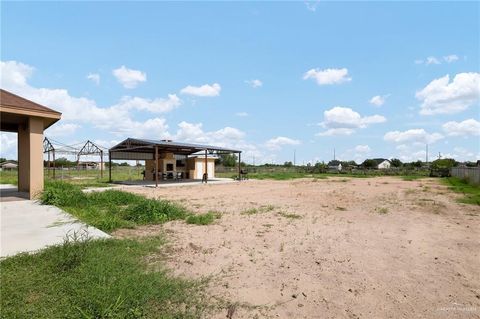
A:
[(10, 193), (27, 226)]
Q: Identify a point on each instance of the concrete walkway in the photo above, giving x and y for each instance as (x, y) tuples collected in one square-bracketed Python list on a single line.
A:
[(27, 226)]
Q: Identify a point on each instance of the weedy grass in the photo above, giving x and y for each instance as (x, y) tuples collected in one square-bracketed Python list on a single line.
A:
[(412, 177), (9, 177), (261, 209), (471, 193), (250, 211), (97, 279), (289, 215), (381, 210), (203, 219), (110, 209)]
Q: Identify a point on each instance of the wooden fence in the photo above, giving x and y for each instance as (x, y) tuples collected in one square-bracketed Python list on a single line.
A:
[(472, 174)]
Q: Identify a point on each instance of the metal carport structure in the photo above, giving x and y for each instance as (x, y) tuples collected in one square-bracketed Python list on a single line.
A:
[(146, 149)]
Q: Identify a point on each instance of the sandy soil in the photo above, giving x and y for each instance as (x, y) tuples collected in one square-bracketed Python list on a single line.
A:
[(336, 248)]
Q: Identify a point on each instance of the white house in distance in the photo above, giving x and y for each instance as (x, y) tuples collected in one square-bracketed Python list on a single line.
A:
[(382, 163)]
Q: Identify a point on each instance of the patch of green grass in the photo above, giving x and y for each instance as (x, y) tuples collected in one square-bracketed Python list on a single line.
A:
[(9, 177), (412, 177), (250, 211), (279, 176), (97, 279), (381, 210), (203, 219), (110, 209), (289, 215), (267, 208), (471, 193)]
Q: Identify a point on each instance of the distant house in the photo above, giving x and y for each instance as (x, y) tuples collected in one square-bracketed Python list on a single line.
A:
[(8, 166), (335, 166), (382, 163), (90, 165)]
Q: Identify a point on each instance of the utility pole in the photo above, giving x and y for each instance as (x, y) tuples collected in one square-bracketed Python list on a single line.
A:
[(334, 153), (439, 155), (426, 154), (294, 156)]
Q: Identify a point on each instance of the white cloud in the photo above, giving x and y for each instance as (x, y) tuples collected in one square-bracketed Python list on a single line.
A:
[(278, 142), (362, 148), (467, 127), (153, 128), (94, 77), (8, 145), (450, 58), (254, 83), (410, 153), (241, 114), (328, 76), (379, 100), (343, 121), (204, 90), (226, 137), (14, 74), (193, 133), (434, 60), (116, 119), (312, 5), (336, 132), (431, 60), (129, 78), (157, 105), (413, 136), (62, 129), (441, 96)]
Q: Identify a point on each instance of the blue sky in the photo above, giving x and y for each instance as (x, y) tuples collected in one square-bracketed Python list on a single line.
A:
[(369, 79)]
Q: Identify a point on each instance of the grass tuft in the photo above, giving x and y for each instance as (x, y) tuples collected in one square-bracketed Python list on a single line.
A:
[(261, 209), (203, 219), (289, 215), (381, 210)]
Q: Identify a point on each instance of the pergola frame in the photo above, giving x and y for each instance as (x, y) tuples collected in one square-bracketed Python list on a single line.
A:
[(141, 149), (49, 148), (89, 148)]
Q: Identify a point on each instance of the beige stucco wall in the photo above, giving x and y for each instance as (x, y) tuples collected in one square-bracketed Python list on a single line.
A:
[(30, 157), (192, 167)]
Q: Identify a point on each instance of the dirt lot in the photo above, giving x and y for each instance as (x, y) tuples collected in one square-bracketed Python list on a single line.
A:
[(336, 248)]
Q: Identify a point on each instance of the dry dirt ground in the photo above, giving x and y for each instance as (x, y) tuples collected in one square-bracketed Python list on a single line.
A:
[(329, 248)]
